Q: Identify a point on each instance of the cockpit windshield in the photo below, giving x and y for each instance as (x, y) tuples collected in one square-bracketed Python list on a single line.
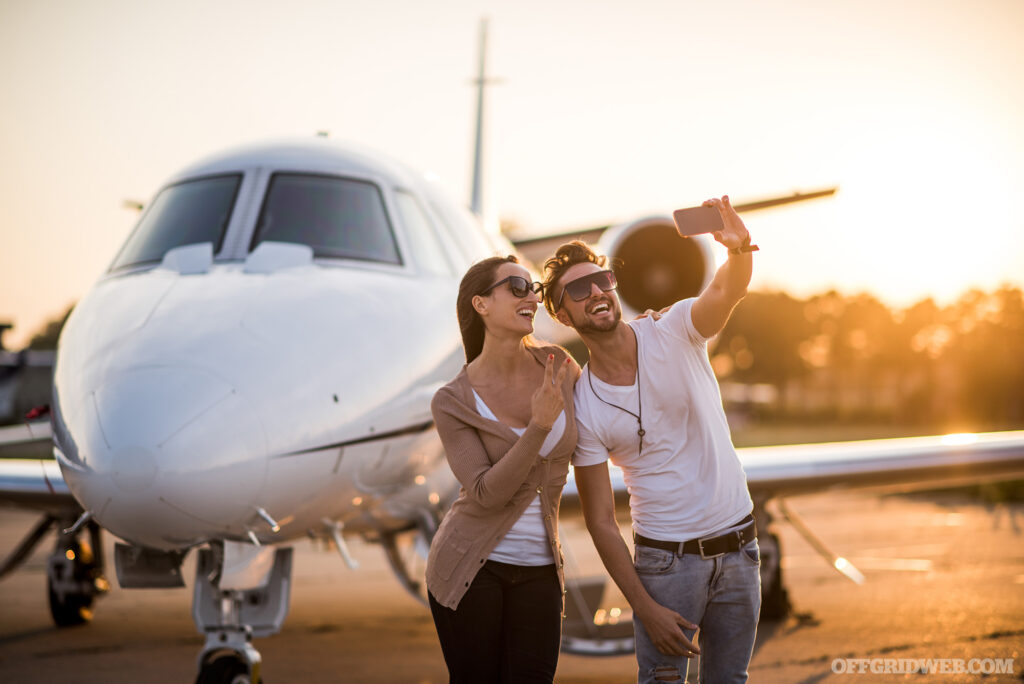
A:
[(337, 217), (185, 213)]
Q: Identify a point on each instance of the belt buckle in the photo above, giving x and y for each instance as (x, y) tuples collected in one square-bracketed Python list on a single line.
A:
[(700, 545)]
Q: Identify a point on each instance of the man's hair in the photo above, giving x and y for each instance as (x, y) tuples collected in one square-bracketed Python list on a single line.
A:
[(569, 254)]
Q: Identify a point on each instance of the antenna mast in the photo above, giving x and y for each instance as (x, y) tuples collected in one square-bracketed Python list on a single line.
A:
[(476, 199)]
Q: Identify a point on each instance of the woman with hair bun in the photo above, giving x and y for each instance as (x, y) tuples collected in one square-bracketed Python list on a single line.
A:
[(494, 574)]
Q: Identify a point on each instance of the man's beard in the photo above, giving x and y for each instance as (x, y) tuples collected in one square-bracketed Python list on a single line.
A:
[(586, 325)]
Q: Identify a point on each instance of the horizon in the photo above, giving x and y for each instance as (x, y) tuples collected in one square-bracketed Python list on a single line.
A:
[(896, 310)]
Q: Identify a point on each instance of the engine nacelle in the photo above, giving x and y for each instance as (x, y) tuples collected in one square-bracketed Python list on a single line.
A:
[(656, 267)]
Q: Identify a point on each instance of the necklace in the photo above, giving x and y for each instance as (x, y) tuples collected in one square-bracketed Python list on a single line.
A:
[(639, 400)]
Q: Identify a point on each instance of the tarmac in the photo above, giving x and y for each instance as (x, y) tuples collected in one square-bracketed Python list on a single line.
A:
[(944, 580)]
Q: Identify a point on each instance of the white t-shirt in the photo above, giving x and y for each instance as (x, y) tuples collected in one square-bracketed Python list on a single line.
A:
[(526, 542), (688, 481)]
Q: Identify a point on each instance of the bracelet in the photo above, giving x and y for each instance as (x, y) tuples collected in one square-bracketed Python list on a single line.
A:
[(745, 247)]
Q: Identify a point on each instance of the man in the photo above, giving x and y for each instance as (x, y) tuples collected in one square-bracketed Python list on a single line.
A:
[(649, 401)]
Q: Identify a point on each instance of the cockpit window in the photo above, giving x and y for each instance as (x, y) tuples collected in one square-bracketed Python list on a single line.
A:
[(424, 242), (337, 217), (181, 214)]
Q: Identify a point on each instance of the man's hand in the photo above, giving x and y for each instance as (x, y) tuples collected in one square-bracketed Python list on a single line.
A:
[(735, 233), (664, 627)]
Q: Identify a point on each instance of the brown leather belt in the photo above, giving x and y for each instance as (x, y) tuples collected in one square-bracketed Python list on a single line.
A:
[(707, 547)]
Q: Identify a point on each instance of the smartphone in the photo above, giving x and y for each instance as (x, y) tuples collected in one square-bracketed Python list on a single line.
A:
[(697, 220)]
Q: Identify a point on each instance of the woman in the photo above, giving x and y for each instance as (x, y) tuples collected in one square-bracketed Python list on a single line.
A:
[(494, 573)]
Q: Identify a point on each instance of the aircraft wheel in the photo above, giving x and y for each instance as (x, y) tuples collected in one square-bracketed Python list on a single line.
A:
[(227, 669), (71, 610), (775, 603), (73, 568)]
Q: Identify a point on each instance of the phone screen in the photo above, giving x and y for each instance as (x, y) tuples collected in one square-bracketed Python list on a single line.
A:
[(697, 220)]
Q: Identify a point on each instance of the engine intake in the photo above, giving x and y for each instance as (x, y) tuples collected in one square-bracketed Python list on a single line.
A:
[(656, 267)]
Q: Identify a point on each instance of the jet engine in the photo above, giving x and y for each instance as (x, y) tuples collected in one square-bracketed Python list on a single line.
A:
[(654, 266)]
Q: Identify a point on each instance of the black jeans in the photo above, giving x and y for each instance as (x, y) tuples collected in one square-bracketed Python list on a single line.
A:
[(506, 629)]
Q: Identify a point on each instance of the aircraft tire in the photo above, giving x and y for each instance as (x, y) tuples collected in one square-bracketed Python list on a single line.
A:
[(73, 610), (227, 669), (72, 607)]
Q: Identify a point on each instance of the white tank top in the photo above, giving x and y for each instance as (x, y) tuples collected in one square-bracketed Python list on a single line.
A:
[(526, 543)]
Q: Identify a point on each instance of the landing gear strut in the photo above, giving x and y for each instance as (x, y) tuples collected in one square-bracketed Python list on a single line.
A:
[(233, 606), (407, 552), (775, 603)]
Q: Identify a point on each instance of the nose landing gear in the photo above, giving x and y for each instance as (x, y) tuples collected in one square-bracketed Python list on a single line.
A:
[(239, 594)]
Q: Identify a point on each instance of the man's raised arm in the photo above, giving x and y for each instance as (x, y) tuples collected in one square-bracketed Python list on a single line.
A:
[(713, 307)]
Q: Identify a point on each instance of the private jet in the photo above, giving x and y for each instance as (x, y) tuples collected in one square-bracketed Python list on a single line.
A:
[(256, 366)]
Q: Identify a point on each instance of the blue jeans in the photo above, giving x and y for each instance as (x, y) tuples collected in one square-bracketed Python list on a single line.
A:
[(722, 595)]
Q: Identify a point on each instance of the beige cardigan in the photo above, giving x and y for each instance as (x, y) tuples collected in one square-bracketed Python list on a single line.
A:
[(500, 473)]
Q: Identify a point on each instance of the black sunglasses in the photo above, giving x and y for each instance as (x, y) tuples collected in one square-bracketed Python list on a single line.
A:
[(518, 286), (579, 289)]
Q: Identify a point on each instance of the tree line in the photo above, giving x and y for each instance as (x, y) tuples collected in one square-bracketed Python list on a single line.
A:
[(852, 358)]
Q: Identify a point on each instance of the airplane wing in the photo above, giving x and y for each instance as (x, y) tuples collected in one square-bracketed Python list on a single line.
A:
[(29, 440), (539, 248), (35, 484), (887, 464), (29, 476), (905, 463)]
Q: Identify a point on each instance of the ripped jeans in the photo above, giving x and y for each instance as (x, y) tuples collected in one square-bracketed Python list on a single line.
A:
[(722, 595)]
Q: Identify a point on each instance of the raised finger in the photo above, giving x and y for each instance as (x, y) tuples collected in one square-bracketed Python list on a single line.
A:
[(548, 368), (561, 372)]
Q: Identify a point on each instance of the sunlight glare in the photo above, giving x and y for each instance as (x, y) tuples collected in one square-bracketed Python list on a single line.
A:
[(959, 439), (925, 199)]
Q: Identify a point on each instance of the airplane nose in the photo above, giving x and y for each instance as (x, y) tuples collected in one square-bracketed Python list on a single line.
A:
[(171, 448)]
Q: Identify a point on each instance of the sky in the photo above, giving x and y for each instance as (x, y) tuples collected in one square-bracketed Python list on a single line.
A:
[(605, 112)]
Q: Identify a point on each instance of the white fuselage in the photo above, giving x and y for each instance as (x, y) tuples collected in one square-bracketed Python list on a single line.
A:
[(191, 393)]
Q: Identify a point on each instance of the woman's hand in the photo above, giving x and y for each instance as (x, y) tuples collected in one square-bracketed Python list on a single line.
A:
[(656, 315), (547, 401)]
